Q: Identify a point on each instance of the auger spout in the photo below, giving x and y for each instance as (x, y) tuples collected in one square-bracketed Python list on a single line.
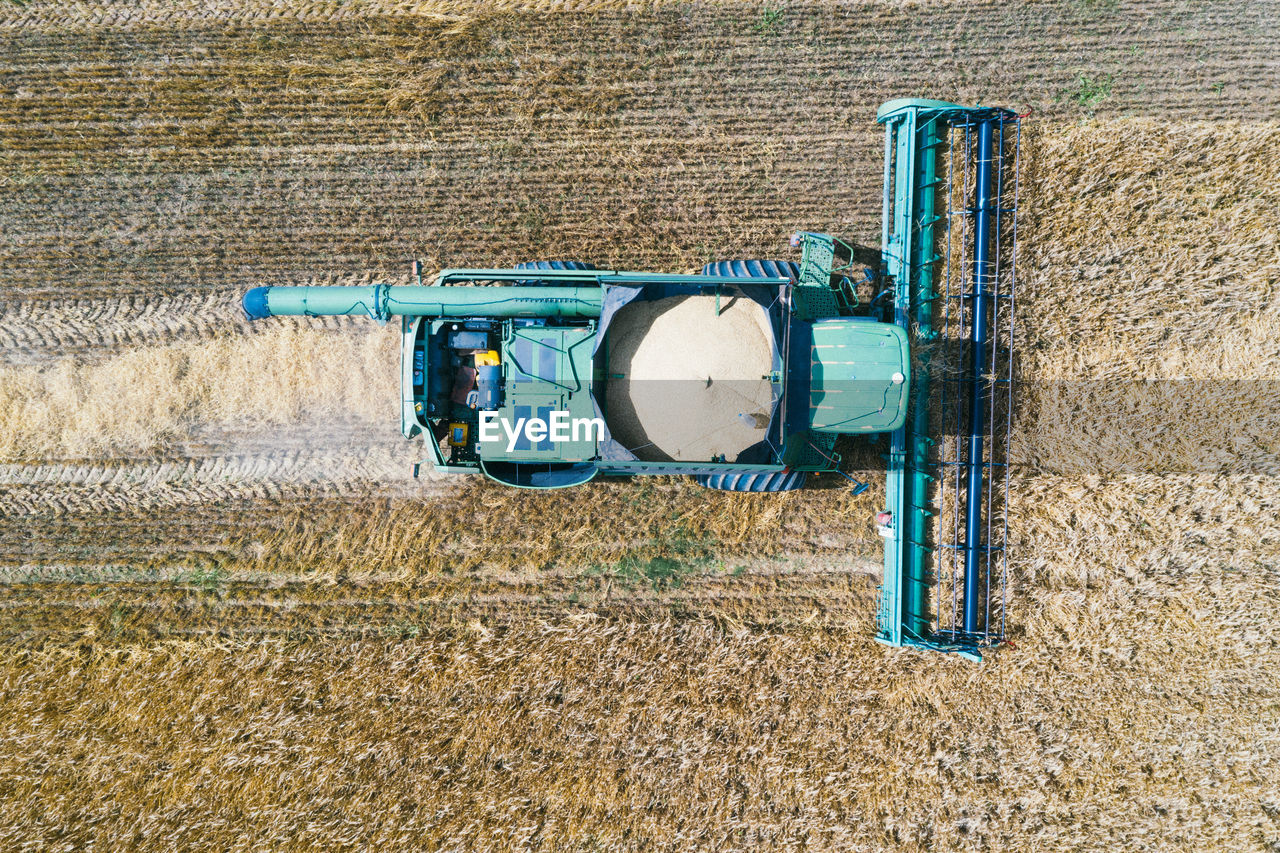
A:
[(382, 301)]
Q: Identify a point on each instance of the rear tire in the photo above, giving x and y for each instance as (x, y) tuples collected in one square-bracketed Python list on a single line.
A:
[(775, 481), (549, 266), (769, 481), (754, 269)]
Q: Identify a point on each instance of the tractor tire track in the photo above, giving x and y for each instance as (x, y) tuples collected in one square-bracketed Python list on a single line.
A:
[(196, 605), (335, 457), (37, 331), (211, 473), (40, 489)]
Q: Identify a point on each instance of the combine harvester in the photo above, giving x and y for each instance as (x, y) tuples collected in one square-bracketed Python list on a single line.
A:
[(555, 372)]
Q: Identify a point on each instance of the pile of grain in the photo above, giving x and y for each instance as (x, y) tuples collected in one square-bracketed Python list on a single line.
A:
[(688, 377)]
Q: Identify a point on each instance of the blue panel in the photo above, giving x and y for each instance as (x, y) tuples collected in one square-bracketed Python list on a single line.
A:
[(547, 360), (522, 413), (544, 412), (521, 350)]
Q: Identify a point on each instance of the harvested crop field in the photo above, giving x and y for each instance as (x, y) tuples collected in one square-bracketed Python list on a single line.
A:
[(234, 620)]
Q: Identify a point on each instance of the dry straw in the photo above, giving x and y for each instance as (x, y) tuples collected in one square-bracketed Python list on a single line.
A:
[(1136, 712), (140, 401), (47, 14), (1149, 338)]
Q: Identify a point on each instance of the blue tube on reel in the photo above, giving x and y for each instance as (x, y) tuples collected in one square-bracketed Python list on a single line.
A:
[(979, 334)]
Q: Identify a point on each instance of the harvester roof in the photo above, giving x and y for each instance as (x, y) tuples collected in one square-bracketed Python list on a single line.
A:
[(548, 370)]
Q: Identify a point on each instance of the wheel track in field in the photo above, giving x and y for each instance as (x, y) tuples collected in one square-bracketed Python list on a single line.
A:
[(222, 463), (34, 331), (194, 604), (37, 331), (313, 454), (40, 489), (34, 490)]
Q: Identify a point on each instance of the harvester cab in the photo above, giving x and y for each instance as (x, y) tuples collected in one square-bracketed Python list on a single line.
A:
[(744, 376)]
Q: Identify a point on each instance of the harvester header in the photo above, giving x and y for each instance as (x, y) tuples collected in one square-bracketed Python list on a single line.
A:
[(949, 248)]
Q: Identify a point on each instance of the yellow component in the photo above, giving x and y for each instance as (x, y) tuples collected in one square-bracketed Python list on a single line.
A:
[(458, 434), (487, 359)]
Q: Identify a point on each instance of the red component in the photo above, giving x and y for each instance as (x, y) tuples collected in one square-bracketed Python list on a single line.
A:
[(463, 381), (884, 518)]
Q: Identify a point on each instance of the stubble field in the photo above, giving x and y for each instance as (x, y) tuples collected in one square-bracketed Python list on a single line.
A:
[(233, 620)]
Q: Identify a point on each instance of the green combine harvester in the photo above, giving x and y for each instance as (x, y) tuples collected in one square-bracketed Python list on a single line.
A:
[(745, 376)]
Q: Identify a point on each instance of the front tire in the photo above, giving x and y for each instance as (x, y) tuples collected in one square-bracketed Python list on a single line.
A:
[(768, 481), (754, 269)]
